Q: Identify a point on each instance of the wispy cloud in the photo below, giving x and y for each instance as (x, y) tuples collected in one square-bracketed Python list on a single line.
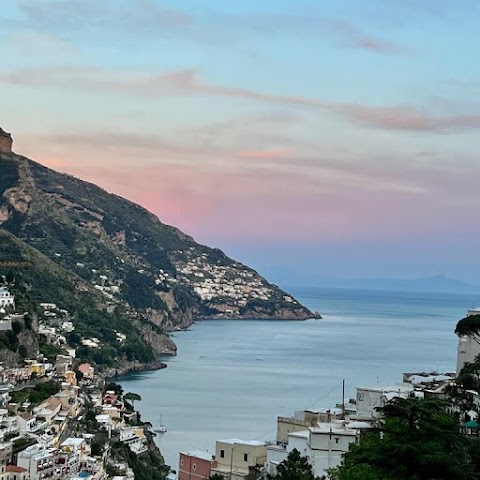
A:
[(214, 25), (357, 38), (408, 118), (117, 15), (32, 43), (188, 82)]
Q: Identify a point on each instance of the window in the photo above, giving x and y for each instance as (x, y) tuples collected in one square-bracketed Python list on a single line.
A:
[(194, 466), (245, 457), (336, 440), (181, 462), (222, 453)]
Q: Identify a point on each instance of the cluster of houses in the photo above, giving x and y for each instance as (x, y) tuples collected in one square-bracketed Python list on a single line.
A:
[(44, 430), (321, 436), (234, 283), (45, 440), (55, 446)]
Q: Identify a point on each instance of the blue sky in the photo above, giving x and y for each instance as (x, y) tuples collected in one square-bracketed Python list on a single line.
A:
[(307, 138)]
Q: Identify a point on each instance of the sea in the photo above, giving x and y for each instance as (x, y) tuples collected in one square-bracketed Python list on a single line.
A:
[(232, 378)]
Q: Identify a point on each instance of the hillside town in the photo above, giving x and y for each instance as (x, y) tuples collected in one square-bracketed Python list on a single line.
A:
[(59, 419), (228, 287), (234, 283)]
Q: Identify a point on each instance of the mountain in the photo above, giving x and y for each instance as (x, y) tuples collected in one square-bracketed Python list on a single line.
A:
[(435, 283), (92, 248)]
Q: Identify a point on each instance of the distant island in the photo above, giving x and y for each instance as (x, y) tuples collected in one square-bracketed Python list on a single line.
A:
[(435, 283)]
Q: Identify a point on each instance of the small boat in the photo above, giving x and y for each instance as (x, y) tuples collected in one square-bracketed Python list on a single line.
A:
[(161, 428)]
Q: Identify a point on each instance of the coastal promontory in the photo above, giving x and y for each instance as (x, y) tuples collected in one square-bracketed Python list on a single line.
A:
[(117, 256)]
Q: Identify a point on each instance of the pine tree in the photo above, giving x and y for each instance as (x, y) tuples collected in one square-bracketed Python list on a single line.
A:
[(295, 467)]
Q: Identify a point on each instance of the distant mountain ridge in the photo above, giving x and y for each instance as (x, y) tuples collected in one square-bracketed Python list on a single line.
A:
[(434, 283), (122, 257)]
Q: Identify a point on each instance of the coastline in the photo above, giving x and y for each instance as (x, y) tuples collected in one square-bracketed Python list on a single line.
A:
[(114, 373), (259, 316)]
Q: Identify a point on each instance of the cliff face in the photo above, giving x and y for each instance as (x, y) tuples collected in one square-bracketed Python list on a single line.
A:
[(6, 141), (125, 258)]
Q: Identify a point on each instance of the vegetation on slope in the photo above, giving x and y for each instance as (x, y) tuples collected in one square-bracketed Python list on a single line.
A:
[(45, 281)]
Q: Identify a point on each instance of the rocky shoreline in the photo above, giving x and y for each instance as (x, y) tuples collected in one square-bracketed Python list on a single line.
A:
[(121, 370)]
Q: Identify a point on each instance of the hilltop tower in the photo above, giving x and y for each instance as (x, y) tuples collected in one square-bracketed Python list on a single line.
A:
[(6, 141)]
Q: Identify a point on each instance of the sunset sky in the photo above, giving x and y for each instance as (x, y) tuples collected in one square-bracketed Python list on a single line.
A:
[(308, 138)]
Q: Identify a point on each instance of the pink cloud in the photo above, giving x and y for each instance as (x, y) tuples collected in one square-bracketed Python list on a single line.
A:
[(210, 203), (263, 154), (221, 194), (407, 118)]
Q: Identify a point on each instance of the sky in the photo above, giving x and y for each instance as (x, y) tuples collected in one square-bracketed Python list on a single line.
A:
[(310, 139)]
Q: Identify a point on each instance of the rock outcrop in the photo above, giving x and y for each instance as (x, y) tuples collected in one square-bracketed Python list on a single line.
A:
[(6, 141)]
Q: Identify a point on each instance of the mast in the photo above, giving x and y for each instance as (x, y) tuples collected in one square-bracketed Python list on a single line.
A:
[(343, 399)]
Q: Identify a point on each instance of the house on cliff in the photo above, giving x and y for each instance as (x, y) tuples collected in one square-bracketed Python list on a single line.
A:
[(6, 298)]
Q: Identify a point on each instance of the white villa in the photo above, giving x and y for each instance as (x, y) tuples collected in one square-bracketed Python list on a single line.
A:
[(324, 445), (6, 298)]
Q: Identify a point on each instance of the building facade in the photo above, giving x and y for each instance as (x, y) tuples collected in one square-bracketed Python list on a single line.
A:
[(195, 465), (6, 298), (235, 458)]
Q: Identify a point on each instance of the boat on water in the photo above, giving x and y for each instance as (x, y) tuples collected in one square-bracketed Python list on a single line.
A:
[(161, 427)]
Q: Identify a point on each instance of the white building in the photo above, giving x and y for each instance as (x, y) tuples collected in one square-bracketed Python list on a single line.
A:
[(468, 347), (39, 461), (8, 424), (324, 445), (135, 438), (328, 442), (370, 398), (6, 298), (28, 423)]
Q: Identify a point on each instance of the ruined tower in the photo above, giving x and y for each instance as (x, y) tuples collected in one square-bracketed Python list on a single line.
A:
[(6, 141)]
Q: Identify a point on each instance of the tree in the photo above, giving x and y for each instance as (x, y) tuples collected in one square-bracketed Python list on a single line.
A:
[(216, 476), (132, 397), (461, 392), (295, 467), (419, 440), (115, 387), (10, 278), (469, 326)]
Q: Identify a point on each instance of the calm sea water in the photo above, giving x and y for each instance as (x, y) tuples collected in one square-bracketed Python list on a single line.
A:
[(233, 378)]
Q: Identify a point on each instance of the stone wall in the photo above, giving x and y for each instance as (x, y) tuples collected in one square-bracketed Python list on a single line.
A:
[(5, 141)]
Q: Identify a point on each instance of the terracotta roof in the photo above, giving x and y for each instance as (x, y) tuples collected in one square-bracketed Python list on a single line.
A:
[(50, 404), (15, 469)]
